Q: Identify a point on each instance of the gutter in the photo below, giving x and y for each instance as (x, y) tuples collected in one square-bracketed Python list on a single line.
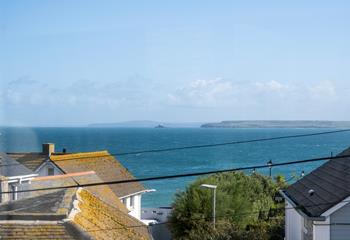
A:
[(297, 208), (21, 178), (45, 217), (139, 192)]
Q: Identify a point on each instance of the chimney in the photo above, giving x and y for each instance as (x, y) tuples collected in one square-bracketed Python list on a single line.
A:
[(48, 148)]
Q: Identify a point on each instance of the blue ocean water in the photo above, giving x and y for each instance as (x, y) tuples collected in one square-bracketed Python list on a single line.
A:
[(185, 161)]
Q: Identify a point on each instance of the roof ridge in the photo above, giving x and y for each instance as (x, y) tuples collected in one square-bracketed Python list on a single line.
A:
[(79, 155)]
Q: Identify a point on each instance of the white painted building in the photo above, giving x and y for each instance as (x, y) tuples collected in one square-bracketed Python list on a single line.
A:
[(334, 224), (317, 207), (107, 168), (12, 177), (133, 203)]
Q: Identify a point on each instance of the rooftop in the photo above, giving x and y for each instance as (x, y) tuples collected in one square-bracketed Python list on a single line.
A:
[(330, 183), (74, 213), (10, 167), (30, 160), (106, 167), (37, 231)]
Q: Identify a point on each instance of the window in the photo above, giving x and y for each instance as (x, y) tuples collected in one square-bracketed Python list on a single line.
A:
[(14, 192), (124, 201), (132, 201), (50, 171)]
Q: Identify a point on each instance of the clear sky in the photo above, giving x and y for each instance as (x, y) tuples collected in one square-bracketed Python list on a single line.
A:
[(79, 62)]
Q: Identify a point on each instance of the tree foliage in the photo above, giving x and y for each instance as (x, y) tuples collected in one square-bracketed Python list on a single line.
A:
[(245, 208)]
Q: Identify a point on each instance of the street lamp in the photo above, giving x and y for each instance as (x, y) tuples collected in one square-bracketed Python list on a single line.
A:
[(269, 163), (213, 188)]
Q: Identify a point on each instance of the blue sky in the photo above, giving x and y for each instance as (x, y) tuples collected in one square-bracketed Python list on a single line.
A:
[(80, 62)]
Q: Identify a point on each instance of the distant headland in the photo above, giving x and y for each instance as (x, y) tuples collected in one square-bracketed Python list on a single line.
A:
[(228, 124), (278, 124)]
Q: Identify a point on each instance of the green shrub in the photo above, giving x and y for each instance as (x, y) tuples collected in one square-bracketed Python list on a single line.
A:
[(245, 208)]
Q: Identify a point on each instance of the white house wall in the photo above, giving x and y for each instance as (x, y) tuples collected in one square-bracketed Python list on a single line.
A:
[(322, 230), (134, 211), (340, 224), (294, 223)]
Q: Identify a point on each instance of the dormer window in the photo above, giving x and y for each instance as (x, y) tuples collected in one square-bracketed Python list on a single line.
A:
[(50, 171)]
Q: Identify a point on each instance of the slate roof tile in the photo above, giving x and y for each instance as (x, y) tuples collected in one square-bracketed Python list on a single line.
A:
[(30, 160), (11, 167), (330, 183)]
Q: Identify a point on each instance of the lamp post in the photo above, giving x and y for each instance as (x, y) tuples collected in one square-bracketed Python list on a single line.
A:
[(269, 163), (254, 171), (213, 188)]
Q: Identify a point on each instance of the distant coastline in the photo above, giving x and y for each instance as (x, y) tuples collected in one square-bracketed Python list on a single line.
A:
[(228, 124), (278, 124), (222, 124), (146, 124)]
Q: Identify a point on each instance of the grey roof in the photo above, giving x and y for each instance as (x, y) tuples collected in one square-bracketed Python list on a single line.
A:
[(10, 167), (30, 160), (46, 203), (330, 183), (23, 217), (48, 215)]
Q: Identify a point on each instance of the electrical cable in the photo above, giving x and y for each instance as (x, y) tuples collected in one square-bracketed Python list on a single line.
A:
[(182, 175)]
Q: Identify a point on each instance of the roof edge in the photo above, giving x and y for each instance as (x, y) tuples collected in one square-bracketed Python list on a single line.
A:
[(298, 207), (137, 193), (46, 217), (77, 231), (336, 207)]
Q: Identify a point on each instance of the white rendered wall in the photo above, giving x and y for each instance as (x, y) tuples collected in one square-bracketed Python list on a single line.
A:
[(135, 210), (294, 223), (322, 230)]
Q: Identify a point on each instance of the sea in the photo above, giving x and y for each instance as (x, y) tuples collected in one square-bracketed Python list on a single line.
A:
[(121, 140)]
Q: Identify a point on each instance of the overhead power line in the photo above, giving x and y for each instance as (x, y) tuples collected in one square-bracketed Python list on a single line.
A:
[(182, 175)]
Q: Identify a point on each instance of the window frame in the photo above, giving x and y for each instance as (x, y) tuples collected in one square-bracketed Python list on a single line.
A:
[(49, 169)]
